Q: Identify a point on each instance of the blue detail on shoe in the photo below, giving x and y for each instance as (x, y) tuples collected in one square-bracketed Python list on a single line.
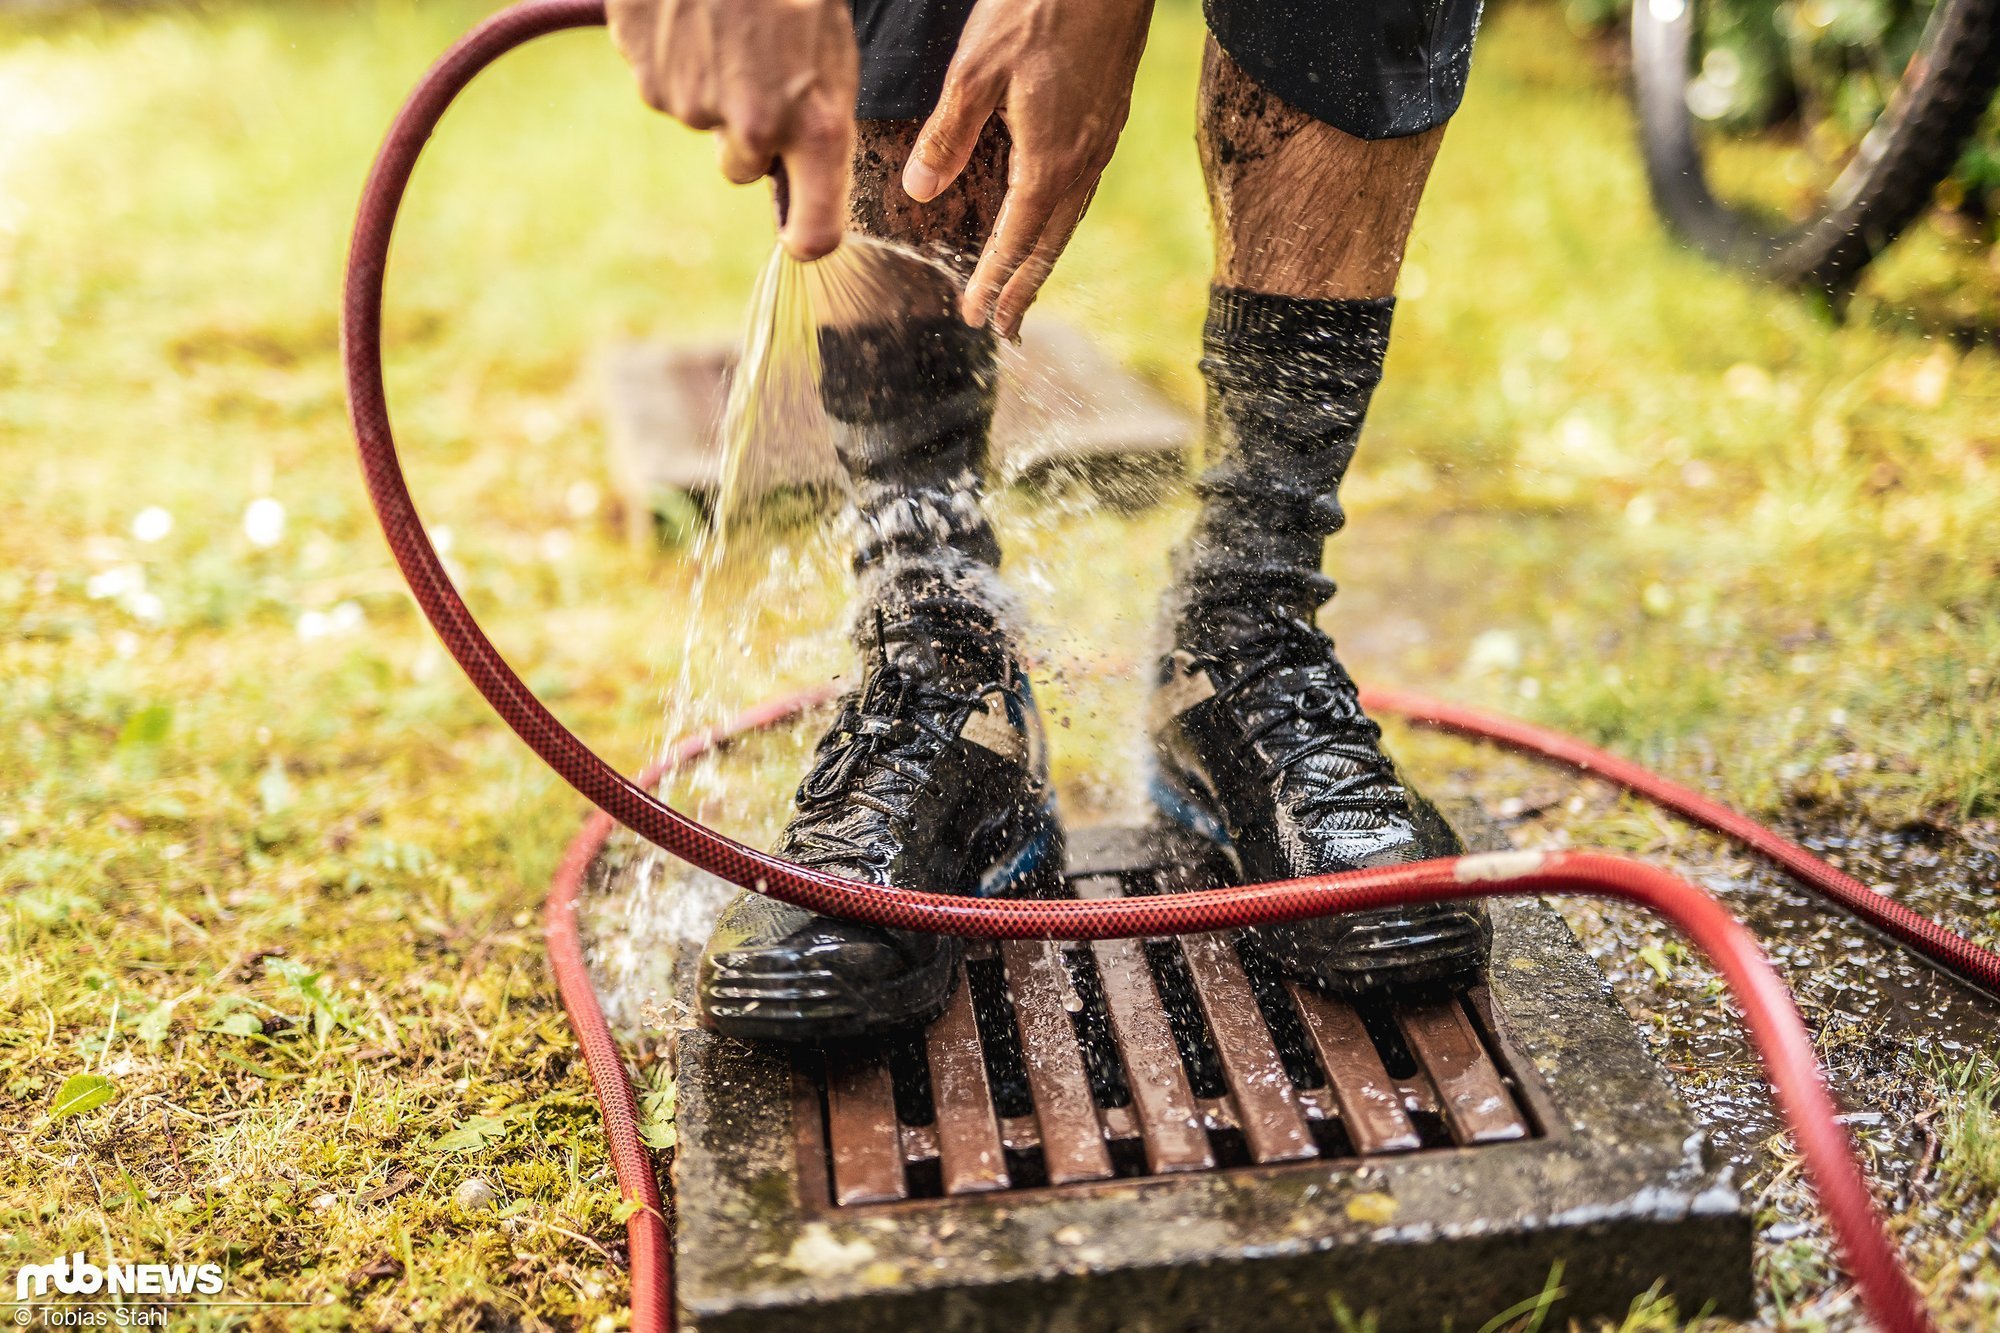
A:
[(1026, 860), (1181, 809)]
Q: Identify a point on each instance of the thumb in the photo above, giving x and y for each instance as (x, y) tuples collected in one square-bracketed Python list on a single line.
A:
[(946, 142), (814, 181)]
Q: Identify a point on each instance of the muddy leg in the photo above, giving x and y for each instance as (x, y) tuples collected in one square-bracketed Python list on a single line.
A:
[(1301, 208), (957, 222), (1260, 729)]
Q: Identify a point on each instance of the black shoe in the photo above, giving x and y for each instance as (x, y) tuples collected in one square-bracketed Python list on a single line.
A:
[(933, 777), (1264, 749)]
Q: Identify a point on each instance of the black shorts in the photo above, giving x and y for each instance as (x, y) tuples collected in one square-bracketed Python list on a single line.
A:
[(1378, 69)]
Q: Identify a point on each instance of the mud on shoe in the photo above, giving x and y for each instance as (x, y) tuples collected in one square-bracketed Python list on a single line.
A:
[(934, 777), (1263, 749)]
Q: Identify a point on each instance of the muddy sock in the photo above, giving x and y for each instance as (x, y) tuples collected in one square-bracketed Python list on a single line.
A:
[(1289, 379), (912, 408)]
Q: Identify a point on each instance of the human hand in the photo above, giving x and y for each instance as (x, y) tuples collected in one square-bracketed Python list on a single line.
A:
[(1059, 72), (776, 79)]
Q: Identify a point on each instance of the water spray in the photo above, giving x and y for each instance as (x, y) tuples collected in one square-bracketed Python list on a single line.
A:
[(1886, 1290)]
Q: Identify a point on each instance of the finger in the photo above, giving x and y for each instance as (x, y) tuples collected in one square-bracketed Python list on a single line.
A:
[(755, 106), (818, 136), (1024, 214), (635, 33), (1026, 284), (817, 162), (741, 161), (681, 68), (755, 121), (631, 24), (948, 138)]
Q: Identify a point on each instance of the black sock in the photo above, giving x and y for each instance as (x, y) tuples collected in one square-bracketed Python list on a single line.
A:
[(1289, 379), (912, 409)]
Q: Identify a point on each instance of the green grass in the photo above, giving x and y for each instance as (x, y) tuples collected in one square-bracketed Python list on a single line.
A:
[(271, 866)]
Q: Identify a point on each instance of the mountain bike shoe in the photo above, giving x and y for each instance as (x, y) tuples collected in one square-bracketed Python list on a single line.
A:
[(933, 777), (1263, 749)]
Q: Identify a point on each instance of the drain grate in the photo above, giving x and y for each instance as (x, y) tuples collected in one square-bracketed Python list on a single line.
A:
[(1165, 1137), (1066, 1065)]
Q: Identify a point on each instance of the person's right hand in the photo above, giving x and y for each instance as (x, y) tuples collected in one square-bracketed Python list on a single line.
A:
[(776, 79)]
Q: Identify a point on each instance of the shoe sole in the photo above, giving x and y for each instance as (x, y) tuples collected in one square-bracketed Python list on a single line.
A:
[(818, 1007), (1392, 948)]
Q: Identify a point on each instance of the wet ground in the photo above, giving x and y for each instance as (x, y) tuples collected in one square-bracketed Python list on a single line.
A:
[(1888, 1028), (1879, 1015)]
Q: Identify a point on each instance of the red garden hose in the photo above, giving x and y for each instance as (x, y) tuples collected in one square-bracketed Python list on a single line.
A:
[(647, 1236), (1773, 1020)]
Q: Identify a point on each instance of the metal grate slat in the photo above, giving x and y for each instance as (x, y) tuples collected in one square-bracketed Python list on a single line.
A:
[(1072, 1141), (1267, 1108), (1371, 1107), (864, 1140), (1478, 1105), (970, 1154), (1169, 1123)]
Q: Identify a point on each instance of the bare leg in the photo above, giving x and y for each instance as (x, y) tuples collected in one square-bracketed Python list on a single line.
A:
[(1300, 208)]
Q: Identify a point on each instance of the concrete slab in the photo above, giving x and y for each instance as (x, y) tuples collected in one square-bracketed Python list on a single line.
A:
[(1065, 406)]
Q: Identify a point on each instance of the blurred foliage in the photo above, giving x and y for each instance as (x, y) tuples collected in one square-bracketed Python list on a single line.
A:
[(1822, 70)]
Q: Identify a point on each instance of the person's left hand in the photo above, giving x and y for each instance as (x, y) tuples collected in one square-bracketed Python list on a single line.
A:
[(1059, 72)]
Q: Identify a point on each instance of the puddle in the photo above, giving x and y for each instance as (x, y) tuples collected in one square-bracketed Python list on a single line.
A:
[(1882, 1019), (1884, 1023)]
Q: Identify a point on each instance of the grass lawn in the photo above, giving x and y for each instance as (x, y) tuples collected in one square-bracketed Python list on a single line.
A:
[(272, 868)]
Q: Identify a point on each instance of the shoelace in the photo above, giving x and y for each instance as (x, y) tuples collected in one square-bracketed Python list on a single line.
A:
[(879, 753), (1324, 718)]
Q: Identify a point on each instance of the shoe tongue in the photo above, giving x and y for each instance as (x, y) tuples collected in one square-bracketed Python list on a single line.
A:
[(938, 636), (942, 663), (914, 657), (1232, 629)]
